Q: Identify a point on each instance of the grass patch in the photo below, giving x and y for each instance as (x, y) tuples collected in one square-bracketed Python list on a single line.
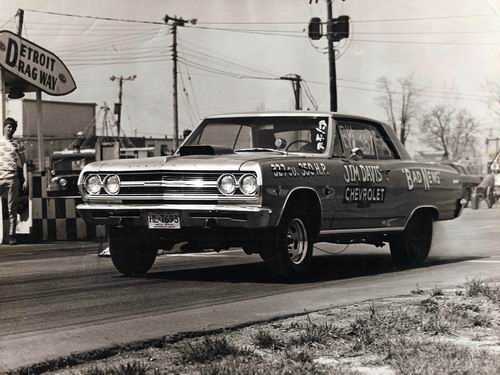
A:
[(266, 340), (287, 367), (416, 357), (132, 368), (209, 349), (476, 288), (436, 291), (314, 333)]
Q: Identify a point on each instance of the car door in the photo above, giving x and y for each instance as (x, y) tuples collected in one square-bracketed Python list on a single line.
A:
[(370, 180)]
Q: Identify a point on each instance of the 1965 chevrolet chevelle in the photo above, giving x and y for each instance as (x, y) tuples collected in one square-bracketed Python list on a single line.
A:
[(273, 184)]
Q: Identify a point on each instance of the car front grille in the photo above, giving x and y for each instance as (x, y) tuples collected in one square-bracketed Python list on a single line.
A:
[(171, 186)]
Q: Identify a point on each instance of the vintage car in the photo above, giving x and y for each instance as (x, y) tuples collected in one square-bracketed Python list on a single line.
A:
[(273, 184), (65, 167), (489, 188)]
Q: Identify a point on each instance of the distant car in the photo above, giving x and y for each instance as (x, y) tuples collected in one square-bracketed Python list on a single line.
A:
[(273, 184), (489, 188), (65, 167), (469, 180)]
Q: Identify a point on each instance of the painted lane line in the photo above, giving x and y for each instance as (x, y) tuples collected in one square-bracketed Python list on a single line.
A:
[(483, 261)]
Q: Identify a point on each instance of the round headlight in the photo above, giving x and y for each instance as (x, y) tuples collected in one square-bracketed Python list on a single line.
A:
[(63, 182), (227, 184), (112, 184), (93, 184), (248, 184)]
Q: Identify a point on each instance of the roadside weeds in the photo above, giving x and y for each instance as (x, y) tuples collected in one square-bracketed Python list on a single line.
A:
[(452, 331)]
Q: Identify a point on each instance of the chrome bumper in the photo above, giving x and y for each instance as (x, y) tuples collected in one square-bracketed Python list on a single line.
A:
[(191, 215)]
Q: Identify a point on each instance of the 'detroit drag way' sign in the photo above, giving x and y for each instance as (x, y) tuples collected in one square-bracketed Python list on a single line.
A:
[(35, 65)]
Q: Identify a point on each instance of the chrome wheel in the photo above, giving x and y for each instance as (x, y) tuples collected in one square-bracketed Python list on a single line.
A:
[(297, 241)]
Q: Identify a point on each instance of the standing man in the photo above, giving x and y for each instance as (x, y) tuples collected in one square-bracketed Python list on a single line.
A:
[(13, 173)]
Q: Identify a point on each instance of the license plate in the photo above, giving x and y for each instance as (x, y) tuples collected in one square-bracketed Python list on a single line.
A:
[(164, 221)]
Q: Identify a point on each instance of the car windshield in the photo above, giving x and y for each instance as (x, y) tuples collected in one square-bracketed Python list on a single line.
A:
[(254, 134), (70, 163)]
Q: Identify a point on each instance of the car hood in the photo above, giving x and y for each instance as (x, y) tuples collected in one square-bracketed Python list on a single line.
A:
[(227, 162)]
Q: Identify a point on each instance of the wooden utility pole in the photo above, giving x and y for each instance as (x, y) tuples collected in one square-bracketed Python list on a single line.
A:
[(174, 89), (118, 106), (331, 57), (175, 22), (296, 86)]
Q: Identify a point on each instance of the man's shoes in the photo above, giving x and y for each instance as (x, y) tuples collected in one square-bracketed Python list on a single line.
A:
[(104, 253), (12, 240)]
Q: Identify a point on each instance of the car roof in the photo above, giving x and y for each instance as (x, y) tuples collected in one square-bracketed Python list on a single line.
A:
[(292, 114)]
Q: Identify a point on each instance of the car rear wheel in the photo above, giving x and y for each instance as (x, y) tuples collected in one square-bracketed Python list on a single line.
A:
[(131, 253), (411, 247), (288, 254)]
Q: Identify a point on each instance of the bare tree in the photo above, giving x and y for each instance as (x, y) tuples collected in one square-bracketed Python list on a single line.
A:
[(450, 131), (400, 104)]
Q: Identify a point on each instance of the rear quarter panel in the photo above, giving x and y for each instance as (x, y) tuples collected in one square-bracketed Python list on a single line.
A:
[(432, 185)]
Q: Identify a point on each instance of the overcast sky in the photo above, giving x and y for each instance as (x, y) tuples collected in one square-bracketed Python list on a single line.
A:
[(231, 58)]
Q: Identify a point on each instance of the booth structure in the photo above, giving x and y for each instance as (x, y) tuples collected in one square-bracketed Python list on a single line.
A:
[(44, 218)]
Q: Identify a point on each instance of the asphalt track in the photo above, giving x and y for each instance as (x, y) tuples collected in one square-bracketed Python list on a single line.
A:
[(56, 302)]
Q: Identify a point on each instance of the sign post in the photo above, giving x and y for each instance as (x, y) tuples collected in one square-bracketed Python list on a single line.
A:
[(2, 118), (39, 134)]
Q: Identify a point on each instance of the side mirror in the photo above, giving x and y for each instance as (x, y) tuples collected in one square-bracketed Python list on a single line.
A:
[(356, 154), (280, 143)]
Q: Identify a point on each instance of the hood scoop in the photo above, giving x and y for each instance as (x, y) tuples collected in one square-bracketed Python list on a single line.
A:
[(204, 150)]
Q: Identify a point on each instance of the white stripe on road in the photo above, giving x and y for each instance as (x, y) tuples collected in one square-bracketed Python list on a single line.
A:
[(483, 261)]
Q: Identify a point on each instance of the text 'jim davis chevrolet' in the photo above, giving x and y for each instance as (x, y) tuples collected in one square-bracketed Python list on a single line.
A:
[(273, 184)]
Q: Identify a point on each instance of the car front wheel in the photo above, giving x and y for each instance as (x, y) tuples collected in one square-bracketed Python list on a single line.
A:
[(288, 254), (131, 253), (412, 246)]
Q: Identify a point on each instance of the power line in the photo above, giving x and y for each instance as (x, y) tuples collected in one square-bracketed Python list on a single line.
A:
[(195, 102), (416, 42), (191, 111), (223, 61), (408, 19), (413, 19), (216, 55), (248, 31), (94, 17), (233, 74), (310, 95)]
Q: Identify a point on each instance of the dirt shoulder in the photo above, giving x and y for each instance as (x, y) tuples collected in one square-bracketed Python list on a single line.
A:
[(453, 331)]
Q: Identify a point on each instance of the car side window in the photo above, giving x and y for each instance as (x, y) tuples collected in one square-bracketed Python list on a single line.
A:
[(366, 137), (384, 152), (358, 135)]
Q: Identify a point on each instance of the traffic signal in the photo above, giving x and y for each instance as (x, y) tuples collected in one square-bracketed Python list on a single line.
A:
[(314, 31), (339, 28)]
